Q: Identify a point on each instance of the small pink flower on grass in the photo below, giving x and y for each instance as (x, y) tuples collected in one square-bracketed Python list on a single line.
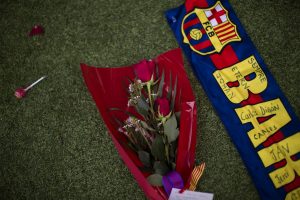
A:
[(21, 92), (36, 30)]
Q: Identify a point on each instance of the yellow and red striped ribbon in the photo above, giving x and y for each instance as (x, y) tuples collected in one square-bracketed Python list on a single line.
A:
[(196, 175)]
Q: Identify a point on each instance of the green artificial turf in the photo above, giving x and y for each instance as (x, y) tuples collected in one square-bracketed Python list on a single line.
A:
[(53, 143)]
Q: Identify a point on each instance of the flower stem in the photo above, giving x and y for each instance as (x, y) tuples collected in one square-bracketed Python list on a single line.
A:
[(150, 98), (143, 133), (167, 149), (149, 94)]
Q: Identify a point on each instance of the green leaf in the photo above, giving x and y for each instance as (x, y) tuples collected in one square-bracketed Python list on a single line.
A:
[(141, 111), (130, 81), (124, 111), (143, 104), (145, 158), (120, 124), (146, 126), (132, 146), (170, 129), (146, 169), (177, 114), (172, 149), (161, 167), (140, 141), (157, 70), (158, 148), (161, 85), (142, 107), (155, 179), (174, 94)]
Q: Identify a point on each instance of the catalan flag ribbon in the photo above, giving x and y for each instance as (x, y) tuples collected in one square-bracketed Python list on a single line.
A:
[(196, 175), (255, 112)]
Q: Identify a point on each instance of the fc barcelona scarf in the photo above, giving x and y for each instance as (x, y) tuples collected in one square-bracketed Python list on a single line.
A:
[(256, 114)]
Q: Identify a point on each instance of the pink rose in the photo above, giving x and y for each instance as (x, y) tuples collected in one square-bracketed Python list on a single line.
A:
[(144, 70), (163, 106)]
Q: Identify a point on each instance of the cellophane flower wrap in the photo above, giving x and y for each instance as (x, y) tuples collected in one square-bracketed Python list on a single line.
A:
[(109, 89)]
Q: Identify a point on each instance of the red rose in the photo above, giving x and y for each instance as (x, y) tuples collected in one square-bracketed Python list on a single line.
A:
[(163, 106), (144, 70)]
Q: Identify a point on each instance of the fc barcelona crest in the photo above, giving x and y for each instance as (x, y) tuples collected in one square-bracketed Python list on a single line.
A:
[(208, 30)]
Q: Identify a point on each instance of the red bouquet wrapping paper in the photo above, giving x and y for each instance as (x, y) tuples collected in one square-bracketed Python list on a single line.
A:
[(106, 86)]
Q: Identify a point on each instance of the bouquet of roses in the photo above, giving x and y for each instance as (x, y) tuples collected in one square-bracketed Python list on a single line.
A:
[(153, 136), (149, 109)]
